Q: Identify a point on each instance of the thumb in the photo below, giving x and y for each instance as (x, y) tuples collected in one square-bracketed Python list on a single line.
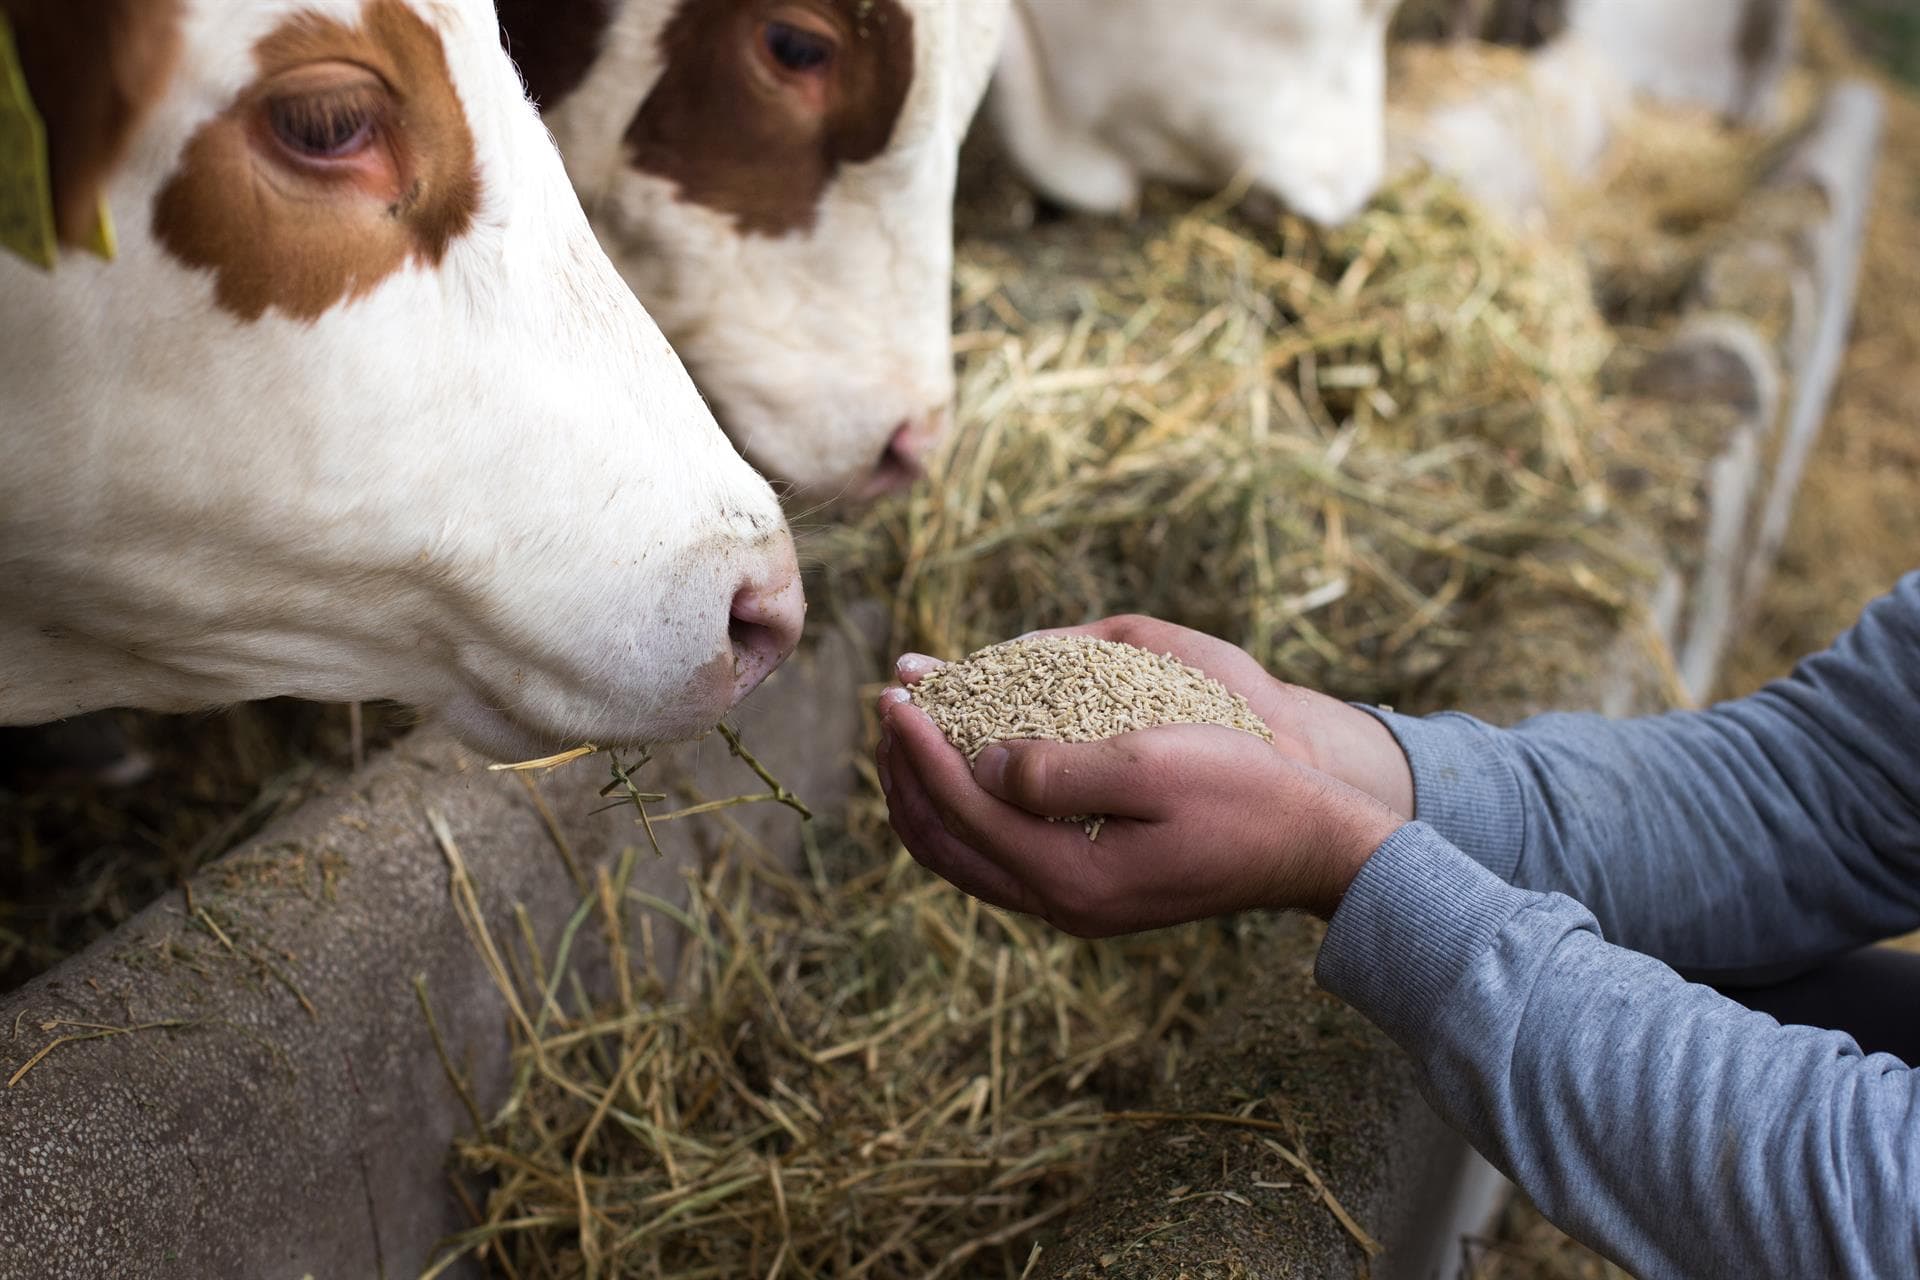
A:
[(1124, 777)]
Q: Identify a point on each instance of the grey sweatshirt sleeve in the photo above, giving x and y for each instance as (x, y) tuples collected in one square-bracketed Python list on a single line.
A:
[(1656, 1120), (1746, 842)]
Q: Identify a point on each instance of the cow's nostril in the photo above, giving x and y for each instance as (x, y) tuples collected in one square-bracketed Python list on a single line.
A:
[(763, 628), (904, 460), (895, 471)]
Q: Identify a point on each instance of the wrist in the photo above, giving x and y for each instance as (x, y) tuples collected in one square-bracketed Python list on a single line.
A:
[(1358, 749), (1361, 841)]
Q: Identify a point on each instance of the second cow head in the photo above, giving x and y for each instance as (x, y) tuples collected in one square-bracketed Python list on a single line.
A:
[(774, 178)]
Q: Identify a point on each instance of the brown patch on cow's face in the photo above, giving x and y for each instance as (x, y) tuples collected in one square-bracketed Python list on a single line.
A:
[(92, 70), (554, 43), (346, 159), (762, 101)]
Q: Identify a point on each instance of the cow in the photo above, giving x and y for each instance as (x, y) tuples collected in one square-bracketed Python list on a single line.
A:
[(357, 408), (1729, 56), (775, 180), (1522, 131), (1093, 97)]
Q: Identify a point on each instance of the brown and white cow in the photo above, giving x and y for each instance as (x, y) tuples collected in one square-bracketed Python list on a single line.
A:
[(775, 180), (360, 409)]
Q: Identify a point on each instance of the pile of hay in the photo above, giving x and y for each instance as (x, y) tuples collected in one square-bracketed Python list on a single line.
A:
[(864, 1074), (1321, 446)]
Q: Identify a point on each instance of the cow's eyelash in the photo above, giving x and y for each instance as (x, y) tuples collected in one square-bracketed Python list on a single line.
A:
[(326, 125)]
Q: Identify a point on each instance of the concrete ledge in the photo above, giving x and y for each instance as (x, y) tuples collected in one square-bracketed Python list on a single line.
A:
[(279, 1108), (1837, 162)]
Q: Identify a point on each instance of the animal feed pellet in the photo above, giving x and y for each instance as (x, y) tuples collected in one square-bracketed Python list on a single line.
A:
[(1073, 689)]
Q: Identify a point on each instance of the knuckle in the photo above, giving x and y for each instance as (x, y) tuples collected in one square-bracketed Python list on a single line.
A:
[(1031, 776), (1159, 758)]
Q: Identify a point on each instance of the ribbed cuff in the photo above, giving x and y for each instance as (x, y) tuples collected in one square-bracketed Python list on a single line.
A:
[(1464, 785), (1418, 914)]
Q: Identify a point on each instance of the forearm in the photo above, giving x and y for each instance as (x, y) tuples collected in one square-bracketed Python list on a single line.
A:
[(1675, 1131), (1762, 835)]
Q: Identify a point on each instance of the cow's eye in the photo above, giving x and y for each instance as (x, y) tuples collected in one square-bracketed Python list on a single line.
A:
[(795, 48), (326, 126)]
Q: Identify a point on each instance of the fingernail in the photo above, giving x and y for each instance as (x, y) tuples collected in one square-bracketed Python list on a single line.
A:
[(910, 665), (990, 769), (894, 696), (881, 761)]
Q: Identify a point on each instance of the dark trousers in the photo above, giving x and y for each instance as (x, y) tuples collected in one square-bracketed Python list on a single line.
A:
[(1873, 995)]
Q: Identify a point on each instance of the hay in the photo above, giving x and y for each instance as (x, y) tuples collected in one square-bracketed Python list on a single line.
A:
[(1321, 446), (1675, 185), (863, 1074)]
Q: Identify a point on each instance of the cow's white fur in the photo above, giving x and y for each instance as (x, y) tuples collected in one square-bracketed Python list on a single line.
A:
[(816, 345), (1519, 133), (1688, 52), (1094, 96), (488, 488)]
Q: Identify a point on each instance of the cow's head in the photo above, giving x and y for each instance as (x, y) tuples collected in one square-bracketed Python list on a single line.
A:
[(360, 409), (774, 178), (1320, 141)]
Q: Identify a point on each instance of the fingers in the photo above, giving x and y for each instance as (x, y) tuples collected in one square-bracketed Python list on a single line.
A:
[(911, 813), (1126, 628), (1122, 777), (911, 668), (967, 812)]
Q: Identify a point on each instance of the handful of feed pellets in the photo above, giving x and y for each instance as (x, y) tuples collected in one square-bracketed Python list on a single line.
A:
[(1073, 689)]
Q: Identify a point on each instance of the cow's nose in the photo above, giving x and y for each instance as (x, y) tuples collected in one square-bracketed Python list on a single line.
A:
[(904, 460), (765, 624)]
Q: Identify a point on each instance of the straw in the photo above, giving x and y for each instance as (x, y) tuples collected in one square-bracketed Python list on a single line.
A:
[(870, 1078), (1322, 446)]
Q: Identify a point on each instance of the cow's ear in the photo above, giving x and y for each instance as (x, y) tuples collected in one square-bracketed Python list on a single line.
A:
[(92, 69)]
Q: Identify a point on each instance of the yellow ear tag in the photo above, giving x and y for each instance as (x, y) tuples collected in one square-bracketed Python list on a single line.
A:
[(26, 190), (101, 241), (26, 185)]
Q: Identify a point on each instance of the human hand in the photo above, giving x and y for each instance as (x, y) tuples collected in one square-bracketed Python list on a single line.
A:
[(1310, 728), (1202, 821)]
